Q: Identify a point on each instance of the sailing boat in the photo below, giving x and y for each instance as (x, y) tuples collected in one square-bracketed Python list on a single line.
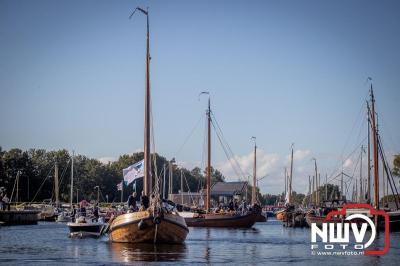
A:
[(158, 223), (394, 215), (209, 219), (63, 216), (292, 216)]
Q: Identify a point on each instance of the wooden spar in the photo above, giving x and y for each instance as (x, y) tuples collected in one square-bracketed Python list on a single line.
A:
[(375, 149), (181, 187), (319, 184), (285, 182), (313, 190), (56, 186), (208, 202), (253, 195), (316, 181), (164, 179), (361, 188), (72, 181), (147, 182), (369, 156), (341, 186), (290, 179), (169, 179), (326, 187)]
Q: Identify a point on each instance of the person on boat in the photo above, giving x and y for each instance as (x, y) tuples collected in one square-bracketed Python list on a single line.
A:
[(1, 201), (236, 205), (244, 207), (96, 212), (82, 206), (73, 213), (132, 202), (6, 204), (231, 206), (144, 200)]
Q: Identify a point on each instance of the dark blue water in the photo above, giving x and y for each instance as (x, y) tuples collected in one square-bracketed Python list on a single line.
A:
[(266, 243)]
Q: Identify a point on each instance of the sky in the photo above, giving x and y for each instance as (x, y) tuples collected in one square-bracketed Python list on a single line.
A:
[(72, 76)]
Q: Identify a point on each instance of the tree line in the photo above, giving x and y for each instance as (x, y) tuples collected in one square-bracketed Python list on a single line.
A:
[(36, 178), (36, 175)]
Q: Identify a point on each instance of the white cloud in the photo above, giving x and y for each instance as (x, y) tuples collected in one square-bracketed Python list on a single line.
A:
[(106, 160), (188, 165), (265, 164), (348, 164), (272, 165), (299, 155)]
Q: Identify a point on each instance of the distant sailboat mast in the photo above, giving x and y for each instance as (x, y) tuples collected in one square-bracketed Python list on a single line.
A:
[(290, 179), (208, 203), (254, 191), (72, 180)]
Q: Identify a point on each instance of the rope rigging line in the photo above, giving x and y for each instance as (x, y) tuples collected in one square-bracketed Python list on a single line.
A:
[(189, 136), (47, 176), (346, 158), (63, 174), (357, 120), (231, 155), (226, 152)]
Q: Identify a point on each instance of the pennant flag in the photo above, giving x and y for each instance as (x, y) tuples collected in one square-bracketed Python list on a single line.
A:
[(133, 172), (119, 186)]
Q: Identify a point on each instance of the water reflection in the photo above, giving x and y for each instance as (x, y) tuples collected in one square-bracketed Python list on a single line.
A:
[(126, 252)]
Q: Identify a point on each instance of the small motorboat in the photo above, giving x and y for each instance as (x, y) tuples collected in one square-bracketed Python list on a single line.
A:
[(86, 227)]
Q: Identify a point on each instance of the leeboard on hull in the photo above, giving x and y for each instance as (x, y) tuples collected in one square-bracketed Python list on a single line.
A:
[(223, 220), (141, 227)]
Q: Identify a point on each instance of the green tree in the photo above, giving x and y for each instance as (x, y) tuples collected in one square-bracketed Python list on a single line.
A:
[(396, 165)]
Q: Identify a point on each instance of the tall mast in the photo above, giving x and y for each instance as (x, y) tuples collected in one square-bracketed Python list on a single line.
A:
[(309, 190), (72, 180), (375, 146), (290, 179), (285, 182), (208, 203), (56, 186), (253, 195), (164, 176), (169, 179), (147, 182), (181, 186), (369, 156), (326, 187), (147, 164), (316, 181), (360, 192)]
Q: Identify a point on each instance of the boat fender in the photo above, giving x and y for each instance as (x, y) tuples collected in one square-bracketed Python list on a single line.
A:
[(157, 220), (141, 225)]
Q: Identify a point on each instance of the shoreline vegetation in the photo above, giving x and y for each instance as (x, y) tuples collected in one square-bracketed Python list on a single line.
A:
[(36, 182)]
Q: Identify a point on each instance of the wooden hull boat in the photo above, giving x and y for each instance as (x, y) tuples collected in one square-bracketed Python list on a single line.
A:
[(222, 220), (143, 227), (262, 217), (294, 218), (280, 215)]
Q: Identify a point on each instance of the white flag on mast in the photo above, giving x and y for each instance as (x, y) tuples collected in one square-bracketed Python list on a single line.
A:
[(133, 172)]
